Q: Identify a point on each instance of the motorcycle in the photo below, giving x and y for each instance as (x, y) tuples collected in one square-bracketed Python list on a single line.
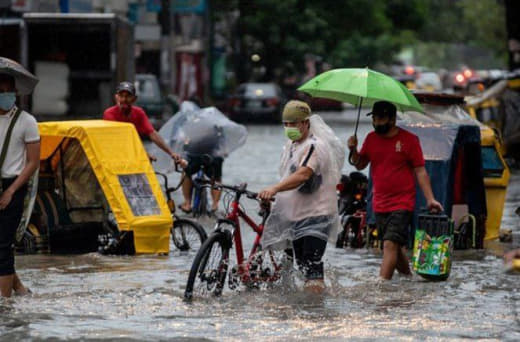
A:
[(352, 204)]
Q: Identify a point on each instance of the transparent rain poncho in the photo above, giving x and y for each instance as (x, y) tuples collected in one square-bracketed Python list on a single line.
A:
[(195, 130), (311, 209)]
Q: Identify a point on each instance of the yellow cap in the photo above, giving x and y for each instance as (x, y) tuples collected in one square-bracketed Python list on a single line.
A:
[(295, 111)]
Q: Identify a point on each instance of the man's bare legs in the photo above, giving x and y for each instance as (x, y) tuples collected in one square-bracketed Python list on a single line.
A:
[(18, 287), (6, 285), (215, 196), (394, 257), (11, 282), (403, 264), (187, 185)]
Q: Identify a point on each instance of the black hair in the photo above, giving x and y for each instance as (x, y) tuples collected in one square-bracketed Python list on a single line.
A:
[(9, 79)]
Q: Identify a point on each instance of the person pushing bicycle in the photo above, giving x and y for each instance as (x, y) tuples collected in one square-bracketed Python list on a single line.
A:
[(305, 213)]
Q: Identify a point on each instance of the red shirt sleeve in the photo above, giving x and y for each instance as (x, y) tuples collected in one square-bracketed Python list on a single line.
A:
[(143, 125), (416, 154)]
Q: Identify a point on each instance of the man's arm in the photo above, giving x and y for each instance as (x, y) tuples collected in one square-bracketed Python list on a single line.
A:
[(424, 183), (293, 181), (356, 159), (359, 162), (33, 160)]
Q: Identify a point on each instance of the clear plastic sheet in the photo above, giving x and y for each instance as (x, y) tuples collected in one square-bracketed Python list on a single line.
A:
[(197, 130), (438, 129), (297, 213)]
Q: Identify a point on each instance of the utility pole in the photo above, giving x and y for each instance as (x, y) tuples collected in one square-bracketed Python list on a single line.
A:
[(165, 58), (513, 32)]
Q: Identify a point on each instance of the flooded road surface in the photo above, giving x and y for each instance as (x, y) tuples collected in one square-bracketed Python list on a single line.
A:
[(94, 297)]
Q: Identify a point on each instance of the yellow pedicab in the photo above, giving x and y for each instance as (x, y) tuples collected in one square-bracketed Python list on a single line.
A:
[(97, 191)]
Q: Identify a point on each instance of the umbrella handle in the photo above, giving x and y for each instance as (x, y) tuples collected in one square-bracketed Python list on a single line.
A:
[(358, 116), (351, 162)]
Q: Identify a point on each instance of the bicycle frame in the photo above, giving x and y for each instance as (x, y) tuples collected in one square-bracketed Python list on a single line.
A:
[(198, 191), (244, 268)]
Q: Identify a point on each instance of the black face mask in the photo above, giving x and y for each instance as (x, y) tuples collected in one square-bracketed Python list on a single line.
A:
[(382, 129)]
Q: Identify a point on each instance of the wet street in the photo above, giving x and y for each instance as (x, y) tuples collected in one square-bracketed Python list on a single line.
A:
[(95, 297)]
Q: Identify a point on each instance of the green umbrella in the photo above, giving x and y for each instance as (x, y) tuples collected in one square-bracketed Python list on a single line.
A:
[(361, 86)]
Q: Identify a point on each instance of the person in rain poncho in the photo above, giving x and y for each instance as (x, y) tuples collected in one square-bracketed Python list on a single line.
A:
[(305, 211)]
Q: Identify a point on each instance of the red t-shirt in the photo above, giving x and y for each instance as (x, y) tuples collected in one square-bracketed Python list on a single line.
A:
[(137, 117), (392, 163)]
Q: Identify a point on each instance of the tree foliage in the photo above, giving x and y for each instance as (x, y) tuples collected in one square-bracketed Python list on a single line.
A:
[(357, 33)]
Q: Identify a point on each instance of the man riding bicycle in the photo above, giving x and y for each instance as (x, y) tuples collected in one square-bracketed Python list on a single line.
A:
[(200, 156), (212, 167)]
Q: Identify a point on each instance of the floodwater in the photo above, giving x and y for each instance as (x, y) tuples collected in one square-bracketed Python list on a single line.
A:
[(95, 297)]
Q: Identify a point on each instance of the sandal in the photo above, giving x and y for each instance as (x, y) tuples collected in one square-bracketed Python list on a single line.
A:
[(187, 211)]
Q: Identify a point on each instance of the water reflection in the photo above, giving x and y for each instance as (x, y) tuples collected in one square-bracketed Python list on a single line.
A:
[(141, 298)]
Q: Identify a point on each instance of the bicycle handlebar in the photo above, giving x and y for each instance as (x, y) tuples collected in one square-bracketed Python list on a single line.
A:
[(165, 179), (241, 189)]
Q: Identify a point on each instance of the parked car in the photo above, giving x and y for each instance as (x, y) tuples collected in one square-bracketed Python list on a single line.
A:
[(149, 97), (256, 101)]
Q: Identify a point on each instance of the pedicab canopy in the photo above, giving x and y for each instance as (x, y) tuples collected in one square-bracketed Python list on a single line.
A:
[(451, 144), (126, 178)]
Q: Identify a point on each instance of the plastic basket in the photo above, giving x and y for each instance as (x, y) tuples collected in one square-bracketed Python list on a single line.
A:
[(433, 246)]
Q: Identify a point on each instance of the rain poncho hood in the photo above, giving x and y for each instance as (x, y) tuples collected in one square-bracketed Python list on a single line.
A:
[(311, 209), (195, 130)]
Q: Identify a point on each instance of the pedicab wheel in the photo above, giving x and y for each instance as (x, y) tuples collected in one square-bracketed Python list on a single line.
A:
[(208, 271), (188, 235), (340, 242)]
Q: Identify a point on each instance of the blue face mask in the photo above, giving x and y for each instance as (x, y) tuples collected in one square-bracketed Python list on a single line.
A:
[(7, 101)]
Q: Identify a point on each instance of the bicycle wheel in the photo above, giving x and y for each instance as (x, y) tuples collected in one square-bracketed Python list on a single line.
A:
[(208, 271), (268, 266), (187, 235)]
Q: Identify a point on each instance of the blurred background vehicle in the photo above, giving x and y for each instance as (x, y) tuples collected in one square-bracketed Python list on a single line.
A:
[(256, 102), (74, 56), (149, 97), (428, 81), (407, 80)]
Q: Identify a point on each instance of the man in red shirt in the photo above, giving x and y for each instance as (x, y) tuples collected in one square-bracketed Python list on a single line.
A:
[(125, 111), (396, 160)]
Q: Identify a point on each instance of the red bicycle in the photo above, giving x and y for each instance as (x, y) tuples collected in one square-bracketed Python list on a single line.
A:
[(210, 267)]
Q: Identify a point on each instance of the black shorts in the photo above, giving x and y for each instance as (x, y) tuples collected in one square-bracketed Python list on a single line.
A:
[(9, 220), (394, 225), (212, 166), (308, 251)]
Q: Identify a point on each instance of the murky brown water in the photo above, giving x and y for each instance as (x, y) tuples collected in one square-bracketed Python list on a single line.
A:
[(94, 297)]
